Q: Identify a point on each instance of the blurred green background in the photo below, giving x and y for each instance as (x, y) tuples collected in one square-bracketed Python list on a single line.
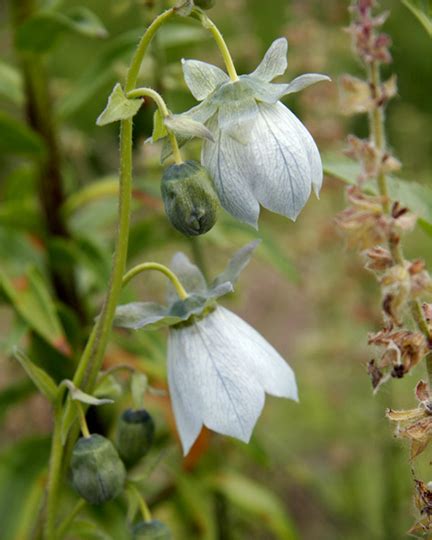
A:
[(326, 468)]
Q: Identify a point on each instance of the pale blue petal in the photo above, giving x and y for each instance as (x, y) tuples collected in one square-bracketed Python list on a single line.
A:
[(190, 276), (185, 391), (236, 118), (202, 78), (274, 62), (218, 372), (258, 357), (283, 170), (232, 170), (303, 81)]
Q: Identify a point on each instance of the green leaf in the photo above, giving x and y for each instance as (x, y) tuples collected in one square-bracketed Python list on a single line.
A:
[(422, 9), (416, 197), (139, 384), (32, 300), (40, 378), (197, 505), (20, 468), (258, 501), (79, 395), (40, 32), (21, 214), (119, 107), (11, 84), (17, 138), (159, 129)]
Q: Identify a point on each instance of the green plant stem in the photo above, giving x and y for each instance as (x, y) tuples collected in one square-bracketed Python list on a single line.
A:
[(82, 420), (163, 109), (159, 268), (376, 121), (198, 255), (40, 117), (53, 487), (93, 355), (209, 25), (144, 509), (68, 520)]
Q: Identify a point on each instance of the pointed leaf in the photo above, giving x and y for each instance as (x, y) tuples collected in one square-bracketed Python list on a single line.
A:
[(187, 127), (32, 300), (41, 379), (79, 395), (40, 32), (274, 62), (236, 264), (159, 129), (119, 107), (202, 78)]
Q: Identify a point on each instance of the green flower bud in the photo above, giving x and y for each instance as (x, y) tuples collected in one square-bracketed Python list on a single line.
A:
[(151, 530), (135, 435), (205, 4), (98, 474), (190, 200)]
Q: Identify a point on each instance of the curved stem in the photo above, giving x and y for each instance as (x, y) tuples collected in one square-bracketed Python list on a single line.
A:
[(220, 42), (144, 509), (137, 59), (92, 357), (181, 291), (163, 109)]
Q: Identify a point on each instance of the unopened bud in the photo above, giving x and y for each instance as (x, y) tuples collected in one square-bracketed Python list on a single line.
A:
[(135, 435), (151, 530), (190, 200), (98, 474)]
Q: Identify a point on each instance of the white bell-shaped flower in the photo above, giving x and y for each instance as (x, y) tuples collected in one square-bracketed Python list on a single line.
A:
[(262, 154), (219, 367)]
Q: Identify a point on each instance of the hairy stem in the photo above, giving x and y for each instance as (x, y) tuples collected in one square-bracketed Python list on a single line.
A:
[(377, 129), (159, 268), (93, 355)]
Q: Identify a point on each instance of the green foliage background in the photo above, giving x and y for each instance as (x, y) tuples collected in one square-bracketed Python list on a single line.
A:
[(327, 468)]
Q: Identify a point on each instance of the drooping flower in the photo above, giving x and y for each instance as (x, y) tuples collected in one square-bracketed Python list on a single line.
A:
[(262, 153), (219, 367)]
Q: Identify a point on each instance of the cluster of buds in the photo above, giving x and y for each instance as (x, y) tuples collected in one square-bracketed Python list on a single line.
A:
[(369, 44)]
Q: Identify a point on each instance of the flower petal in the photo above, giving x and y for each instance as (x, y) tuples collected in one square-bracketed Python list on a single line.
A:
[(184, 389), (271, 92), (202, 78), (190, 276), (236, 264), (259, 357), (218, 371), (274, 62), (236, 118), (283, 164), (303, 81), (227, 163), (202, 112)]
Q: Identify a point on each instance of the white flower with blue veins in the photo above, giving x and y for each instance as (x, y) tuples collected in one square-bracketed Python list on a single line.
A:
[(219, 367), (262, 153)]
